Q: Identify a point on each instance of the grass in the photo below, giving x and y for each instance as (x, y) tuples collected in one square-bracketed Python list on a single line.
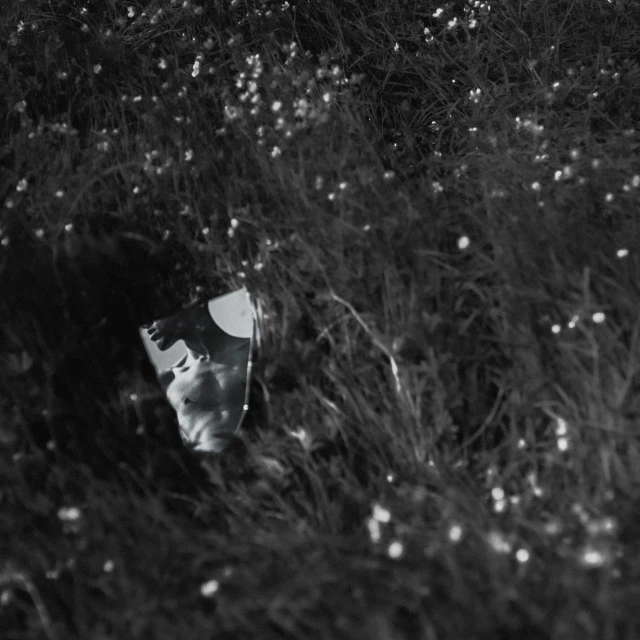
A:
[(434, 206)]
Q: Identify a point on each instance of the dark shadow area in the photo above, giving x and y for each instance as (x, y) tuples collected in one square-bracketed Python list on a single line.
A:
[(83, 388)]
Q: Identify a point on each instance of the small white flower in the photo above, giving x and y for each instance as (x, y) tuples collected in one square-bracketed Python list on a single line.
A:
[(455, 533), (69, 514), (381, 514), (210, 588)]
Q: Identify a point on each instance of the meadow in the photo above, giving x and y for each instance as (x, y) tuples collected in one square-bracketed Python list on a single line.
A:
[(434, 206)]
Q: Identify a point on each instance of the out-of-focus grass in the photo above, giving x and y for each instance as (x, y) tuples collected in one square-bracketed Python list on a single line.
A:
[(434, 207)]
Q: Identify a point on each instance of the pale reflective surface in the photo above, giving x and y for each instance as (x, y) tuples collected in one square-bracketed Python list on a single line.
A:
[(202, 356)]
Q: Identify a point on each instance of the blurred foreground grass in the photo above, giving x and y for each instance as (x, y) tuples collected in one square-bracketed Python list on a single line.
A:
[(435, 206)]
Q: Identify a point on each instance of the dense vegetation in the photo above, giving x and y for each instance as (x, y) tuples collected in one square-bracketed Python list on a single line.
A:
[(435, 207)]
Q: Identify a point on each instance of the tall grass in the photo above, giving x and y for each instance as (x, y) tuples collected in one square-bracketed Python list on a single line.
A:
[(434, 207)]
